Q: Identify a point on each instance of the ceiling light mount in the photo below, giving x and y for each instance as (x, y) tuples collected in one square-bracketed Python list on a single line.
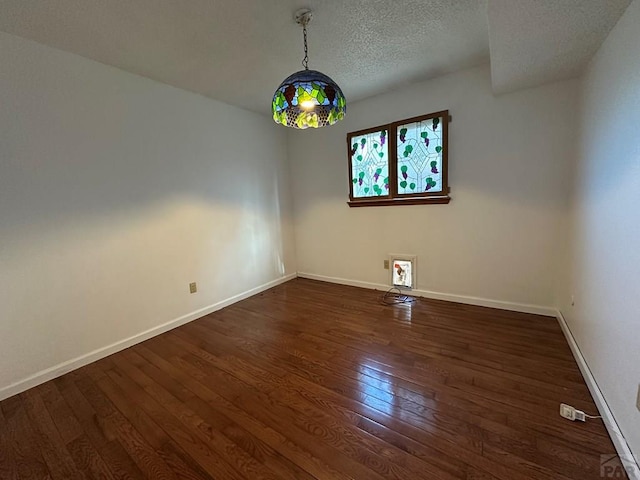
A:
[(303, 17), (307, 98)]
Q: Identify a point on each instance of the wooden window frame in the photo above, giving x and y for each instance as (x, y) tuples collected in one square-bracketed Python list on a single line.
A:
[(393, 197)]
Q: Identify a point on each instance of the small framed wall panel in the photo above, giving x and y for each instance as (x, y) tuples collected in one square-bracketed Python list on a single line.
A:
[(403, 270)]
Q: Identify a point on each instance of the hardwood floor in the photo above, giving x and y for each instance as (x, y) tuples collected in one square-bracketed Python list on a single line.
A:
[(313, 380)]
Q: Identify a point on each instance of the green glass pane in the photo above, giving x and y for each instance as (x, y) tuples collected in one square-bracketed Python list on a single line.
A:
[(304, 96), (420, 157), (369, 165), (307, 119)]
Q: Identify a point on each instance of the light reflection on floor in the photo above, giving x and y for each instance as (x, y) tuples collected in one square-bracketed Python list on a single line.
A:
[(377, 388), (403, 312), (379, 391)]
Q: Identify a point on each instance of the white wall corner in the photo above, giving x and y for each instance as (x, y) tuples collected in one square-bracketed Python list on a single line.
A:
[(630, 462), (449, 297)]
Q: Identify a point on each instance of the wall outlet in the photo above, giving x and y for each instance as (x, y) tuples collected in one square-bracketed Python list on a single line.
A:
[(193, 287), (386, 264), (638, 399)]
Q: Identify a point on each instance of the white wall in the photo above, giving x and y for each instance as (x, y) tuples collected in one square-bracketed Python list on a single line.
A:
[(115, 193), (603, 254), (509, 169)]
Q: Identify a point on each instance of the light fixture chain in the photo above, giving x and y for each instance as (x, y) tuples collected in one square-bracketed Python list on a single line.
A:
[(307, 99), (305, 60)]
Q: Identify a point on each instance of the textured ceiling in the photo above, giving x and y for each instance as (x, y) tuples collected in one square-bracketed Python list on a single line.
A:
[(538, 41), (238, 51)]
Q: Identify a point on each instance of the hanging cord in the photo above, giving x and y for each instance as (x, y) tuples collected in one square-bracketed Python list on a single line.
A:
[(305, 60), (390, 298), (592, 416)]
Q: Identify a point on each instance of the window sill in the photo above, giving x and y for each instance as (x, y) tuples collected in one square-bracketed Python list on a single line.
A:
[(400, 201)]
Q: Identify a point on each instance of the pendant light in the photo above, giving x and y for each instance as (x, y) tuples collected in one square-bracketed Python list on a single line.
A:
[(307, 98)]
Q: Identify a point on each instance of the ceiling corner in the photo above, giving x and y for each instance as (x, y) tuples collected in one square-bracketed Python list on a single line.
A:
[(533, 43)]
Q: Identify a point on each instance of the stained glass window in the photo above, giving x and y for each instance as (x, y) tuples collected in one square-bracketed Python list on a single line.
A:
[(370, 164), (419, 154), (401, 163)]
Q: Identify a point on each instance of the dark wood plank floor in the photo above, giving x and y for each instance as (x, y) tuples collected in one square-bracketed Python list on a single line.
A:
[(313, 380)]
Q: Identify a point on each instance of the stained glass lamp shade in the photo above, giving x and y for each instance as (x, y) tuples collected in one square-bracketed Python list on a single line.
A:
[(308, 98)]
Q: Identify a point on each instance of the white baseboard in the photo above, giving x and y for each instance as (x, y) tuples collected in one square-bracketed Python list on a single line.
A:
[(482, 302), (629, 461), (65, 367), (622, 447), (633, 469)]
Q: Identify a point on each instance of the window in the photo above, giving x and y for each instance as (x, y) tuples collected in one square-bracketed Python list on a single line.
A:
[(402, 163)]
